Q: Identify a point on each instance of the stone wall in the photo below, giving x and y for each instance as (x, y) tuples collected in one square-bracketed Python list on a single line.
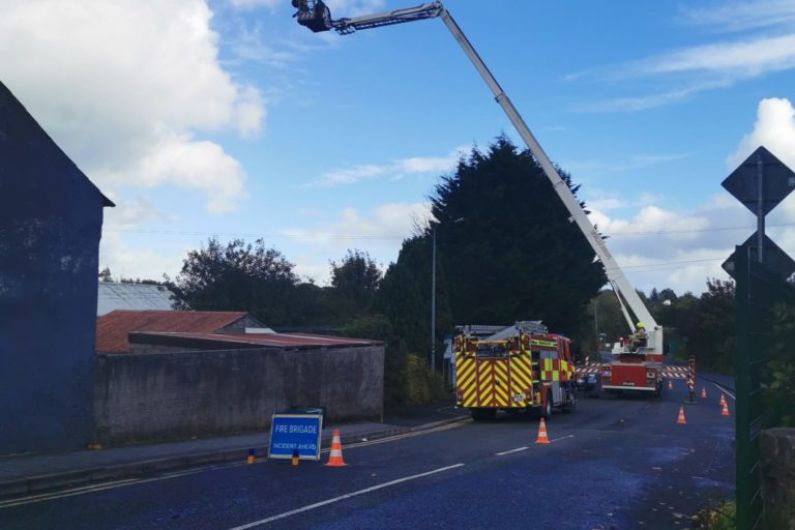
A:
[(153, 396), (777, 467)]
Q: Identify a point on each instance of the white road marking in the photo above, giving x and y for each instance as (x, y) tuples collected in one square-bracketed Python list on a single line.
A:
[(343, 497), (511, 451), (101, 486), (561, 438), (397, 437), (724, 390), (105, 486)]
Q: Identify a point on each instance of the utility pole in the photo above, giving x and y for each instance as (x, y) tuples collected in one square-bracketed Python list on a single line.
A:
[(433, 301), (760, 207)]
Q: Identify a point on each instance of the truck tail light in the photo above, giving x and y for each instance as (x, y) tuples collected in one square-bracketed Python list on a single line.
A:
[(459, 395)]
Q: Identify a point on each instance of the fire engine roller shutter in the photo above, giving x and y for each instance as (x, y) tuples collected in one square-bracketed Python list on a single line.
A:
[(476, 379)]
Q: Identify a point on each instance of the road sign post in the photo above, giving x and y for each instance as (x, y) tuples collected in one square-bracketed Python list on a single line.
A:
[(760, 269)]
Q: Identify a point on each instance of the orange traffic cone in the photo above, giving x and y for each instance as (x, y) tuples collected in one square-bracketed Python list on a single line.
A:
[(725, 411), (542, 433), (722, 400), (670, 385), (681, 419), (703, 392), (335, 456)]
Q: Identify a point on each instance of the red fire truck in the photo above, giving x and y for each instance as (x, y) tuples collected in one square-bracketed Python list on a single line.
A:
[(633, 372), (528, 370)]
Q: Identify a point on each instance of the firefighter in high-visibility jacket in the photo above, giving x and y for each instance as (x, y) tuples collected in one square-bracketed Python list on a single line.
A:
[(638, 339)]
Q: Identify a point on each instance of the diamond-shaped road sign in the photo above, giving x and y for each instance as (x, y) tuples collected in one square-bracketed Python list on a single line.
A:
[(775, 259), (777, 182)]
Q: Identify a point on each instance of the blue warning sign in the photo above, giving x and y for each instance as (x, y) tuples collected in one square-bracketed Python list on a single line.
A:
[(296, 431)]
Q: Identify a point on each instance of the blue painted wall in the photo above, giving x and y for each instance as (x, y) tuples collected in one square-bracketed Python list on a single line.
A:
[(50, 227)]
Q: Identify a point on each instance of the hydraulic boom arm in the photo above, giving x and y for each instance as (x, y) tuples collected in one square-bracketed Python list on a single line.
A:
[(315, 15)]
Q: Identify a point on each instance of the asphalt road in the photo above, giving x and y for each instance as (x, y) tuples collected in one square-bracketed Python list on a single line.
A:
[(613, 463)]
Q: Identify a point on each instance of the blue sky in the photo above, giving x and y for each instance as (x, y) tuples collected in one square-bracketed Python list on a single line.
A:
[(227, 118)]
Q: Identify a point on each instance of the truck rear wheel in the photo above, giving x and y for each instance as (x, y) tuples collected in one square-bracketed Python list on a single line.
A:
[(483, 414)]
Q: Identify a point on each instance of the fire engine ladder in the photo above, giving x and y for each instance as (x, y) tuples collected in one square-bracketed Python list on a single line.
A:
[(315, 15)]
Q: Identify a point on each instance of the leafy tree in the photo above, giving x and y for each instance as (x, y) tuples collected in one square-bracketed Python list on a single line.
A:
[(780, 370), (239, 277), (506, 250), (354, 284), (105, 275), (512, 253), (405, 297), (711, 333)]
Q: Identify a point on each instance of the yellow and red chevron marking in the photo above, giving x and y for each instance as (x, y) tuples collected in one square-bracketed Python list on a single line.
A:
[(493, 383), (485, 383), (466, 379)]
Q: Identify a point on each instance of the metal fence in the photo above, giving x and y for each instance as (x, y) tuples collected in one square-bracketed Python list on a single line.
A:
[(758, 291)]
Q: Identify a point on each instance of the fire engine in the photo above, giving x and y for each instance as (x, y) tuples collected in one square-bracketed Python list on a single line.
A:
[(530, 369), (634, 372), (633, 367)]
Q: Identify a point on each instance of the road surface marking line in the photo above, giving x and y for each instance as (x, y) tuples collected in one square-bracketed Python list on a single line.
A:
[(101, 486), (343, 497), (397, 437), (512, 451), (561, 438), (724, 390), (49, 496)]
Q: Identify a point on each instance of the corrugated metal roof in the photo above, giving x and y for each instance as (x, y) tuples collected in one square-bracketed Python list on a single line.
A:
[(277, 340), (113, 328), (112, 296)]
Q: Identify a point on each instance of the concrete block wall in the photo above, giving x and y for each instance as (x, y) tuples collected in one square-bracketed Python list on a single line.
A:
[(158, 396)]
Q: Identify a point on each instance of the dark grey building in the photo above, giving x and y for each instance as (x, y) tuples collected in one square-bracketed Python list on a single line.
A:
[(50, 227)]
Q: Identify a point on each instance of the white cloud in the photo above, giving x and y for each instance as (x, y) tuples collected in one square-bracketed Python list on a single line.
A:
[(774, 129), (388, 223), (339, 8), (131, 213), (129, 261), (122, 84), (743, 16), (348, 8), (659, 247), (380, 231), (350, 175), (766, 46), (738, 59), (249, 4), (622, 164), (417, 164), (197, 164), (650, 101), (397, 169)]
